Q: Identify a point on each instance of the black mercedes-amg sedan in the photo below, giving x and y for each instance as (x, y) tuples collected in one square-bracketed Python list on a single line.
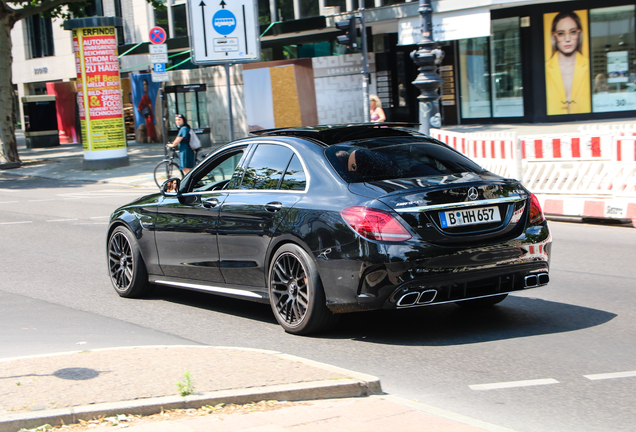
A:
[(325, 220)]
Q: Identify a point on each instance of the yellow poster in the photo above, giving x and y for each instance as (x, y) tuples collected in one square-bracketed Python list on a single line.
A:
[(100, 103), (567, 67)]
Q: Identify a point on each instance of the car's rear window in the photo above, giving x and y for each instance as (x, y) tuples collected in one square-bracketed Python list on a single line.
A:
[(396, 158)]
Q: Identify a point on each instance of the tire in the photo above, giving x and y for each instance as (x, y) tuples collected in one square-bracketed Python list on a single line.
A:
[(482, 302), (296, 294), (166, 170), (126, 267)]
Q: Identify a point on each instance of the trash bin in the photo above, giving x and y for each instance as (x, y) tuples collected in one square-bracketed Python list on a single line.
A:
[(40, 121)]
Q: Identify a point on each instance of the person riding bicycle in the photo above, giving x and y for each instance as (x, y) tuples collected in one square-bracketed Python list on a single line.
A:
[(186, 154)]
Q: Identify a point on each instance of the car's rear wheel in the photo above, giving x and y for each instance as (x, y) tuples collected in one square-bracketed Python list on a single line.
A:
[(296, 294), (483, 302), (126, 267)]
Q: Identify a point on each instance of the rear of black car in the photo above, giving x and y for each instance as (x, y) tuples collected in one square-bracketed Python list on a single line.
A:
[(435, 227)]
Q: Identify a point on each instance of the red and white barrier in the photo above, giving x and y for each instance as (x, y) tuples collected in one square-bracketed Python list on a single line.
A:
[(497, 152), (591, 173), (573, 206)]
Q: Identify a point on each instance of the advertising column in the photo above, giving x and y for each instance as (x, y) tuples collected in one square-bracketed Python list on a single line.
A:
[(99, 91)]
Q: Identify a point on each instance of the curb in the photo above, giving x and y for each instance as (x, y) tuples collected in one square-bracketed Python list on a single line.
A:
[(354, 385)]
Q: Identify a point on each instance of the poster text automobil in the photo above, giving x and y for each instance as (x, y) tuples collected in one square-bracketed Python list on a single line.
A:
[(99, 89)]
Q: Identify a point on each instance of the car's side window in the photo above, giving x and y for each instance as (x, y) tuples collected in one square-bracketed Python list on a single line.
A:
[(295, 178), (266, 167), (218, 173)]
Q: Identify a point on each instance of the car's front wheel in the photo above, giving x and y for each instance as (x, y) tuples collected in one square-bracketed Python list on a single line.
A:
[(126, 267), (296, 294)]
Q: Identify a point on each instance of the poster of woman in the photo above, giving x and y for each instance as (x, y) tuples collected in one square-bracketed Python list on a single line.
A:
[(567, 67), (144, 92)]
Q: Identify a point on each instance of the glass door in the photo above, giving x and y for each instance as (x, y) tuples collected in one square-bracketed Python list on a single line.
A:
[(505, 80)]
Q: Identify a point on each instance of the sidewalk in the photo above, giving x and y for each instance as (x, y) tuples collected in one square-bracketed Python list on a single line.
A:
[(64, 162), (121, 383)]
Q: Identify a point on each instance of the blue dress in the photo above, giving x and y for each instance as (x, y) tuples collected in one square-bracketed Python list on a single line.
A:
[(186, 154)]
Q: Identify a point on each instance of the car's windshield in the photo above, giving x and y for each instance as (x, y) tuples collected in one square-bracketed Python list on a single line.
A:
[(396, 158)]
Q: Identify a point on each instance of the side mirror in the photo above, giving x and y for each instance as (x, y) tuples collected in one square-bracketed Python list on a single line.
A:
[(171, 187)]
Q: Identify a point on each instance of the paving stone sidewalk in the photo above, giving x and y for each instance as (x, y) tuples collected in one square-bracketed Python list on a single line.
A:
[(64, 387)]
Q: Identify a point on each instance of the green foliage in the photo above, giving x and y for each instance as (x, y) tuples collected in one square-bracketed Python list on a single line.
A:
[(186, 387), (63, 9)]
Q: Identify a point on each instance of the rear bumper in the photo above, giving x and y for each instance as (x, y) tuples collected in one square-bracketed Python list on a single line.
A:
[(467, 286), (397, 278)]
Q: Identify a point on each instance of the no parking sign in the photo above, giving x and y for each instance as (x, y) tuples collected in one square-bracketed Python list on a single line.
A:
[(157, 35)]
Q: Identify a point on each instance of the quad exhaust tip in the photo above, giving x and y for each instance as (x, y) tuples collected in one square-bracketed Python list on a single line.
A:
[(417, 298), (535, 280)]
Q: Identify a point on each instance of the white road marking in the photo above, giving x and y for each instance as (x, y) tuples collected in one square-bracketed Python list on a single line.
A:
[(512, 384), (13, 223), (611, 375), (8, 202), (61, 220), (66, 199), (42, 200)]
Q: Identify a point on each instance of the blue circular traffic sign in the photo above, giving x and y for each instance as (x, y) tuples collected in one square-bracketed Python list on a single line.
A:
[(224, 22), (157, 35)]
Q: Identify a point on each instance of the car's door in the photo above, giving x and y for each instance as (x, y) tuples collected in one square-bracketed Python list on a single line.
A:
[(274, 180), (186, 226)]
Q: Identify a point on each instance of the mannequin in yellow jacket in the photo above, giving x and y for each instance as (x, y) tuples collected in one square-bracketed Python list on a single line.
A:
[(567, 73)]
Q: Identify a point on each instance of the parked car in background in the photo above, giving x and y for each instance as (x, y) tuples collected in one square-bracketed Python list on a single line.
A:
[(324, 220)]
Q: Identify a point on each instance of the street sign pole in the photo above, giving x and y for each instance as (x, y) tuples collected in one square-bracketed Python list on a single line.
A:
[(229, 99), (365, 63), (162, 95), (224, 32), (158, 54)]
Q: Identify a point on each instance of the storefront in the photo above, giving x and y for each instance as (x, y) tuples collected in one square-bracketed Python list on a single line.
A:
[(556, 62)]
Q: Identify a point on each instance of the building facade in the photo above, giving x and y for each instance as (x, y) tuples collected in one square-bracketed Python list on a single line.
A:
[(506, 61)]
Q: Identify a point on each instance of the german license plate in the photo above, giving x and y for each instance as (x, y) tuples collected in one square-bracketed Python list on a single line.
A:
[(471, 216)]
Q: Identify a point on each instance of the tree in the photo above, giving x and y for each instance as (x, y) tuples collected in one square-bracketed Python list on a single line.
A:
[(12, 11)]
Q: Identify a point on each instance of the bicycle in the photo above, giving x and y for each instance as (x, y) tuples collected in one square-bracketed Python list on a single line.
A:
[(169, 167)]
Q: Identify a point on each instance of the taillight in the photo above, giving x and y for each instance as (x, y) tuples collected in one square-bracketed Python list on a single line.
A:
[(375, 224), (536, 214)]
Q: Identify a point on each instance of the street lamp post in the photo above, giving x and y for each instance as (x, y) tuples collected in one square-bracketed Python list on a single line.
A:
[(427, 57)]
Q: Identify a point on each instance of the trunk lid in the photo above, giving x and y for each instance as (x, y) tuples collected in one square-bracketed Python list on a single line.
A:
[(454, 208)]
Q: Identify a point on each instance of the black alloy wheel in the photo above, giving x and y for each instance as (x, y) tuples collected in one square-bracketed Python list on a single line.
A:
[(127, 270), (296, 293)]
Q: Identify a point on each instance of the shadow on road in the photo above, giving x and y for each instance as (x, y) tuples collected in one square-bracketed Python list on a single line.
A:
[(447, 325), (216, 303), (12, 182), (443, 325)]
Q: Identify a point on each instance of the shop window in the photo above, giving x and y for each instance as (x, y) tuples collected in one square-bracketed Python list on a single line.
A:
[(612, 45), (121, 40), (179, 20), (191, 101), (506, 82), (475, 72), (93, 8), (264, 13), (40, 37)]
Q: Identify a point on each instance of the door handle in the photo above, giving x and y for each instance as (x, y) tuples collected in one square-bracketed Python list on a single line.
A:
[(273, 207), (210, 203)]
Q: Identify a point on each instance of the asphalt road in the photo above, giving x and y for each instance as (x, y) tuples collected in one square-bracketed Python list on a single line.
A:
[(559, 358)]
